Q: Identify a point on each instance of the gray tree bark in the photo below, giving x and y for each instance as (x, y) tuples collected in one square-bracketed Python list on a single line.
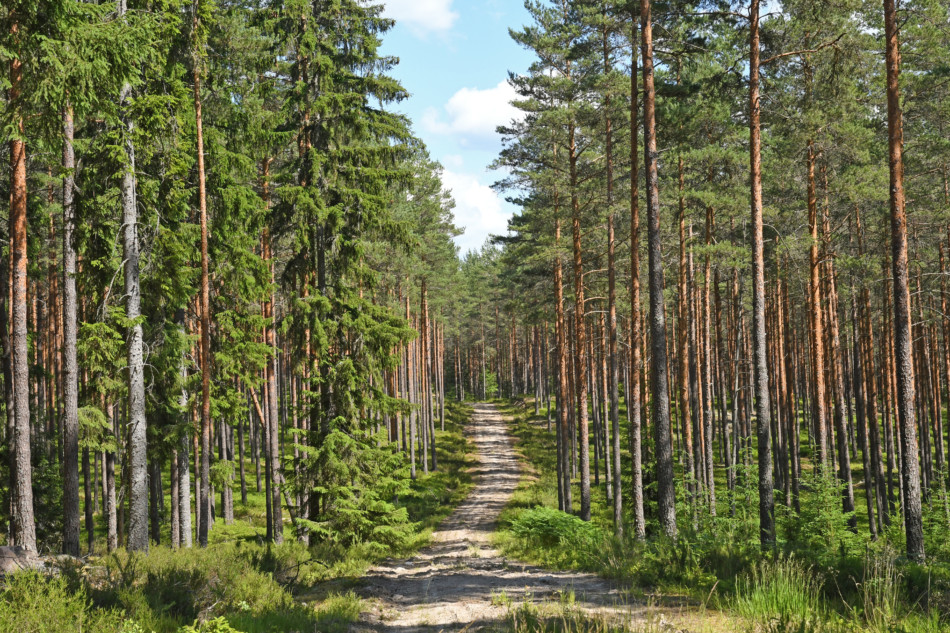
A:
[(70, 367), (760, 350), (660, 370)]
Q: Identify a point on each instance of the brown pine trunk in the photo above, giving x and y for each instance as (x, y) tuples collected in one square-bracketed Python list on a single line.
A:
[(766, 501), (270, 371), (21, 474), (580, 329), (410, 393), (683, 352), (837, 373), (613, 377), (903, 355), (816, 331), (634, 403), (870, 390), (707, 365), (563, 394), (204, 520)]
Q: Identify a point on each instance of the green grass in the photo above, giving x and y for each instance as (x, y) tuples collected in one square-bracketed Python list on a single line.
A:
[(238, 583), (853, 583)]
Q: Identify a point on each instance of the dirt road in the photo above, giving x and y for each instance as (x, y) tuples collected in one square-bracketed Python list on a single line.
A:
[(460, 581)]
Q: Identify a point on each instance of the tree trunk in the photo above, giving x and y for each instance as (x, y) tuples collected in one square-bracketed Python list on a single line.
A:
[(138, 439), (816, 331), (21, 474), (903, 355), (71, 369), (204, 520), (660, 379), (761, 377), (112, 518), (633, 405), (87, 496)]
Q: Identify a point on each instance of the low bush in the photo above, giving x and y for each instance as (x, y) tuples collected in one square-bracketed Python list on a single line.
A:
[(547, 527), (31, 602)]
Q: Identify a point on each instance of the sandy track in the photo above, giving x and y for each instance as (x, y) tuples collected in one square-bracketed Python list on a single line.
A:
[(460, 581)]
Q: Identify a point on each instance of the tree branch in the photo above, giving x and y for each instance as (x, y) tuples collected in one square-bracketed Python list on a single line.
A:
[(801, 52)]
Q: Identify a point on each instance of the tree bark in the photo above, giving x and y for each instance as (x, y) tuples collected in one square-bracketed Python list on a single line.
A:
[(138, 439), (633, 406), (21, 474), (204, 520), (761, 373), (71, 369), (660, 379), (580, 329), (903, 354)]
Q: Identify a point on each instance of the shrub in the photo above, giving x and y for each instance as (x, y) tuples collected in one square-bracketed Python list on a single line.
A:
[(217, 625), (31, 602), (547, 527)]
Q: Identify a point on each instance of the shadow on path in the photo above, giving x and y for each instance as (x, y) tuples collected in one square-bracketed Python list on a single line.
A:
[(460, 581)]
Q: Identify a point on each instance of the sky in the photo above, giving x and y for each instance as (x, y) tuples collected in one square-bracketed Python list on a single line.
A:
[(454, 58)]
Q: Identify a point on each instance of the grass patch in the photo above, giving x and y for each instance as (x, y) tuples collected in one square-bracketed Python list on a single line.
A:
[(821, 577), (239, 584)]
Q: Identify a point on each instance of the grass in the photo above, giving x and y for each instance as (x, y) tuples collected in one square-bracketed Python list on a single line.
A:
[(239, 583), (821, 577)]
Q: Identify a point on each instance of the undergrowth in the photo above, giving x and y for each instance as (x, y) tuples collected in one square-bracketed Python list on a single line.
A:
[(822, 576), (239, 584)]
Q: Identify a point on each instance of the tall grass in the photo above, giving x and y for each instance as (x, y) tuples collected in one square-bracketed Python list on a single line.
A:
[(880, 591), (781, 596)]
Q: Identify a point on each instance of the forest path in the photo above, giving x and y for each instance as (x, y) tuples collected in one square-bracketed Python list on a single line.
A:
[(460, 581)]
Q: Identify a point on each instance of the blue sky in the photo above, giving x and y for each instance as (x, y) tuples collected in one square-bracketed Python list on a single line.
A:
[(454, 60)]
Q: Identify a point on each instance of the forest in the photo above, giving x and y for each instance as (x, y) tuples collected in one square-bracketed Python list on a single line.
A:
[(246, 367)]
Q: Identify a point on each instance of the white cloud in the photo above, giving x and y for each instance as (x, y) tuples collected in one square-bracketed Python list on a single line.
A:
[(477, 208), (454, 161), (473, 114), (422, 16)]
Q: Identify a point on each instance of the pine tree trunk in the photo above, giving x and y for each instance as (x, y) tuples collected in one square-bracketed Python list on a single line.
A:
[(761, 373), (685, 413), (634, 372), (562, 391), (707, 368), (21, 474), (660, 379), (861, 411), (184, 472), (580, 327), (112, 518), (175, 498), (71, 369), (87, 501), (816, 331), (204, 519), (913, 523), (138, 439), (837, 373)]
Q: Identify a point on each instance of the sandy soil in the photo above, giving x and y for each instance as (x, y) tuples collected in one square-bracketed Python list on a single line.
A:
[(461, 582)]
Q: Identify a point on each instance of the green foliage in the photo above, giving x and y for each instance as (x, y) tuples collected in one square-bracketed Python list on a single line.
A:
[(217, 625), (360, 481), (821, 531), (47, 499), (95, 432), (781, 596), (547, 527), (177, 586), (32, 602)]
